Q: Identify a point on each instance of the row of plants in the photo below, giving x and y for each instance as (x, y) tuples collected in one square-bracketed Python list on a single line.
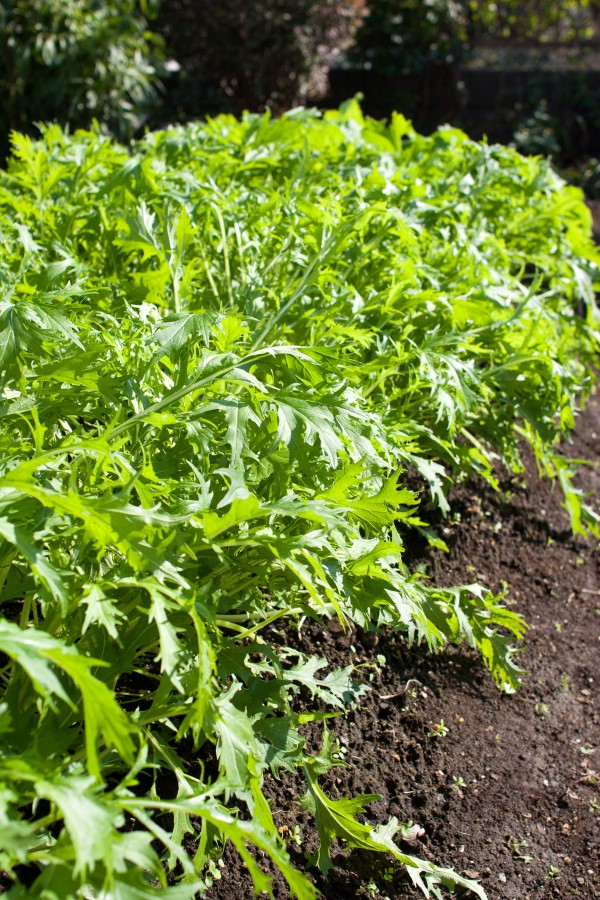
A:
[(223, 351)]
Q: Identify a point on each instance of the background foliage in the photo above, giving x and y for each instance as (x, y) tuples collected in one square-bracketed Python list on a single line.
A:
[(544, 20), (73, 60), (271, 53), (76, 60), (410, 35)]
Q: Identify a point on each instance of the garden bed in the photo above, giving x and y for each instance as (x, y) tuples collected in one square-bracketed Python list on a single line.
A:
[(232, 352), (510, 794)]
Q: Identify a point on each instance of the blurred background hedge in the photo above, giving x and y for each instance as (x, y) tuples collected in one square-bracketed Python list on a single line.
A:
[(75, 60), (237, 55), (132, 63)]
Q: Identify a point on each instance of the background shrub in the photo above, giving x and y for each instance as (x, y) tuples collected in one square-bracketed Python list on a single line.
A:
[(75, 60), (236, 55), (411, 35), (560, 20)]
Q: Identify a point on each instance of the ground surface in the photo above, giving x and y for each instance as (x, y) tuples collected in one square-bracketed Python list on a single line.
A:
[(510, 794)]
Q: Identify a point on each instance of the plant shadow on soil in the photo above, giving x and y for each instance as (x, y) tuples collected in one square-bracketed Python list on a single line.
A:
[(510, 793)]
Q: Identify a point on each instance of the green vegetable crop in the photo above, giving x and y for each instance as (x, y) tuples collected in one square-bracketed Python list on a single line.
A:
[(220, 351)]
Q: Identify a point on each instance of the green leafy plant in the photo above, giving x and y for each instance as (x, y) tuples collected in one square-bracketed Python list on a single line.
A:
[(220, 350), (516, 846)]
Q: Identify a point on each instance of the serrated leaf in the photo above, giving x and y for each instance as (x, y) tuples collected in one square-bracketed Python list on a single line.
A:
[(236, 744), (336, 689), (302, 422), (35, 651), (78, 803), (177, 329), (336, 819), (240, 833), (42, 570), (100, 610)]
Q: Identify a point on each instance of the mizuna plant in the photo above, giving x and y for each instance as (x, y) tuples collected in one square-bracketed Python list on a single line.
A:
[(219, 352)]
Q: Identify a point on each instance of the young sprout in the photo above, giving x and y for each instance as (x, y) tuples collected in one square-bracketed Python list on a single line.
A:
[(438, 730)]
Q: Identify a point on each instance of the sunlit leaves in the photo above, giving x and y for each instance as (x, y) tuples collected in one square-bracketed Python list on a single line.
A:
[(221, 352)]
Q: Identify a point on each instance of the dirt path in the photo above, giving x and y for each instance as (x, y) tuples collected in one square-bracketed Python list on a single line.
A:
[(511, 793)]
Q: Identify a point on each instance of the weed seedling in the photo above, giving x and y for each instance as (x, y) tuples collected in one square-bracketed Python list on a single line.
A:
[(438, 730), (371, 891), (515, 846)]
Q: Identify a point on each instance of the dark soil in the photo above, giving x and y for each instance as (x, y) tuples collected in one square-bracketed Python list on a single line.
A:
[(511, 794)]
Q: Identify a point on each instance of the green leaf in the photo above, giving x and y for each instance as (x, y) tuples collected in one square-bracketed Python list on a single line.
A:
[(78, 803), (336, 689), (42, 570), (26, 327), (101, 610), (178, 329), (236, 741), (336, 819), (37, 653), (241, 833)]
